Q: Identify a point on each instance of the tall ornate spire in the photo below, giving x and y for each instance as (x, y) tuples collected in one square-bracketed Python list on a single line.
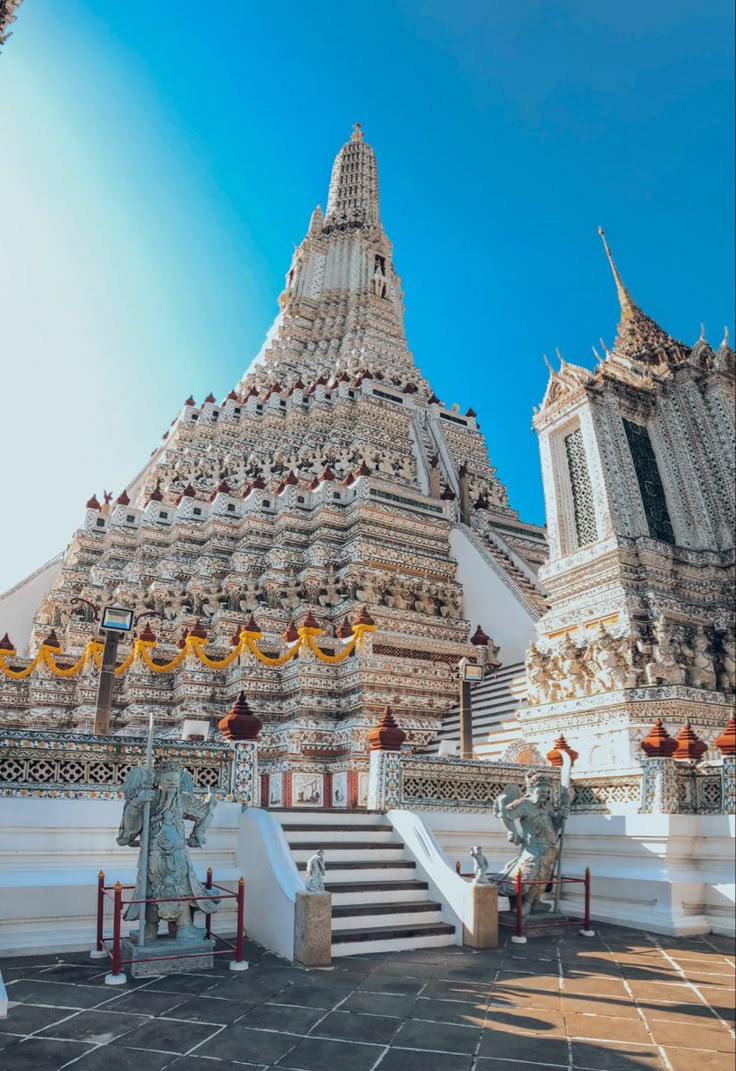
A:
[(353, 194), (638, 337)]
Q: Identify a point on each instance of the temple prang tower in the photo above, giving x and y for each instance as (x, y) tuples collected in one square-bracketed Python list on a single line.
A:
[(330, 478), (638, 472)]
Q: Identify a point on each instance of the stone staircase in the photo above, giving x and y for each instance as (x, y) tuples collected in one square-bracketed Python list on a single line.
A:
[(532, 594), (495, 701), (378, 903)]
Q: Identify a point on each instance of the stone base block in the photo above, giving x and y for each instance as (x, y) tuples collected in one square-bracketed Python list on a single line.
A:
[(482, 928), (313, 929), (144, 962), (538, 924)]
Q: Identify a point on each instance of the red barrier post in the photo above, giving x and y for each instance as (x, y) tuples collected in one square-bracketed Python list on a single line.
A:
[(239, 964), (99, 950), (208, 922), (518, 937), (116, 977), (587, 932)]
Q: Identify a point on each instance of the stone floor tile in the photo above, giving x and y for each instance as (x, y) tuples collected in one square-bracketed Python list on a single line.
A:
[(512, 997), (700, 1035), (450, 1011), (59, 994), (507, 1045), (606, 1028), (307, 995), (594, 986), (187, 984), (351, 1026), (239, 1042), (169, 1035), (74, 972), (379, 1004), (466, 992), (325, 1054), (544, 982), (392, 983), (39, 1054), (440, 1037), (94, 1027), (697, 1060), (615, 1056), (545, 1021), (295, 1020), (413, 1060), (194, 1063), (206, 1009), (28, 1018), (116, 1058), (620, 1006), (142, 1001)]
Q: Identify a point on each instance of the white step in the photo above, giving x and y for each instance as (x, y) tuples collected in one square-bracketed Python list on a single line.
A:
[(325, 835), (365, 872), (360, 896), (334, 855), (298, 816), (392, 944), (395, 919)]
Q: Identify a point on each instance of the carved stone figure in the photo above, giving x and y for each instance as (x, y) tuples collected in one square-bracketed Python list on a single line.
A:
[(480, 866), (727, 673), (536, 677), (702, 673), (664, 667), (534, 824), (169, 790), (609, 663), (316, 871)]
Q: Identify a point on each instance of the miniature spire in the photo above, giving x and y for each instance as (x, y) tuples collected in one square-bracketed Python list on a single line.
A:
[(639, 339), (353, 193), (624, 298)]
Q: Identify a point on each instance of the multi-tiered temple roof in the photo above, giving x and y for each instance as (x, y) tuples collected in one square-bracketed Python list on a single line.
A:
[(330, 478)]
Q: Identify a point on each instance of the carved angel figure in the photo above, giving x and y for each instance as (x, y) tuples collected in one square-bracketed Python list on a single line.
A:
[(664, 667), (170, 791)]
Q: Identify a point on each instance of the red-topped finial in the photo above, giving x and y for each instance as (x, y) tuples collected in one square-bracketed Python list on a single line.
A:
[(726, 742), (122, 499), (198, 631), (251, 625), (364, 618), (147, 635), (290, 633), (52, 640), (93, 503), (386, 735), (554, 758), (310, 621), (689, 744), (6, 644), (240, 723), (658, 744), (479, 638)]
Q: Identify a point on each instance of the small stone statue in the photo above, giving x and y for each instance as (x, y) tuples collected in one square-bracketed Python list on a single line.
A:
[(169, 790), (480, 866), (316, 872)]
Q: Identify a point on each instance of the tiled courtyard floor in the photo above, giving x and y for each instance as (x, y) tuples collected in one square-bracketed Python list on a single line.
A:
[(619, 1001)]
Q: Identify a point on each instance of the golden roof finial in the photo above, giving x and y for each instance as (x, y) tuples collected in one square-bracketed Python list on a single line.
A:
[(623, 295), (357, 134)]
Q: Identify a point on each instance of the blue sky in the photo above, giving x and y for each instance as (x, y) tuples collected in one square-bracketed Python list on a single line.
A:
[(157, 164)]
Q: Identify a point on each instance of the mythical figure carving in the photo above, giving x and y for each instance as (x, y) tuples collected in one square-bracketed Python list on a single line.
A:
[(537, 683), (168, 790), (702, 673), (727, 673), (534, 823), (664, 667), (609, 661)]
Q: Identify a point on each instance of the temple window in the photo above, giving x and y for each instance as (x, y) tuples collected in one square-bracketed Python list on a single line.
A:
[(100, 522), (586, 528), (650, 482)]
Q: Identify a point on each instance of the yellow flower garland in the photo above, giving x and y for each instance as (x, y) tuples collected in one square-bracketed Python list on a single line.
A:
[(193, 645)]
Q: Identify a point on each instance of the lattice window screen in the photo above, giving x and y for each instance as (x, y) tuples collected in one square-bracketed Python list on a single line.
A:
[(650, 482), (586, 528)]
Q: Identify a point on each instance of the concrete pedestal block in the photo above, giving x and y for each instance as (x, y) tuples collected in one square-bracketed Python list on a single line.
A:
[(145, 964), (482, 931), (313, 929)]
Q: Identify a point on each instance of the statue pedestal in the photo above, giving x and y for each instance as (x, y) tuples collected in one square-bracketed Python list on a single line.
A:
[(313, 929), (145, 962), (482, 928)]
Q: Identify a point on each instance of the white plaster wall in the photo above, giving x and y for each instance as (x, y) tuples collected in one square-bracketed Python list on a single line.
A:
[(19, 604), (672, 874), (51, 851), (488, 602)]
